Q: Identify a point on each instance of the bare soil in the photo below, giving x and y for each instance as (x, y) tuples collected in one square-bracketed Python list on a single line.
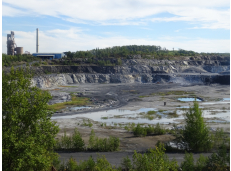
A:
[(129, 96)]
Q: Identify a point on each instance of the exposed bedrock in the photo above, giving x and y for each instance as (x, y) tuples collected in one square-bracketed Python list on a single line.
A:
[(47, 81), (134, 69)]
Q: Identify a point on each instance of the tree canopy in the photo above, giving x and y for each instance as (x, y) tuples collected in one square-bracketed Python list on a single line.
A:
[(27, 131), (196, 133)]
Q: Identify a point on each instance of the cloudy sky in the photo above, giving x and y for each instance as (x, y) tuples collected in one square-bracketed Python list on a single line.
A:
[(73, 25)]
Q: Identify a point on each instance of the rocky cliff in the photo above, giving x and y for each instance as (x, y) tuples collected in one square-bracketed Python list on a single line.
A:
[(189, 70)]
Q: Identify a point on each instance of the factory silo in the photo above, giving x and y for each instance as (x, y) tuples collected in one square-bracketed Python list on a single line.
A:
[(19, 50)]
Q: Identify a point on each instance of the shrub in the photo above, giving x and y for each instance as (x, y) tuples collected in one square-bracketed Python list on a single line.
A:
[(188, 163), (218, 161), (78, 143), (103, 144), (73, 142), (155, 159), (126, 164), (158, 130), (143, 131), (36, 64), (139, 131)]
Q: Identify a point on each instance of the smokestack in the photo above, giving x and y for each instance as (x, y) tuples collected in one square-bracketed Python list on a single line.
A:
[(37, 41)]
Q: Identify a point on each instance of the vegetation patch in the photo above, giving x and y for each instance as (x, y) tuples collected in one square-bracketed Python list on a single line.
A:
[(143, 96), (118, 116), (104, 117), (151, 112), (179, 93), (103, 144), (77, 101), (173, 114), (150, 129)]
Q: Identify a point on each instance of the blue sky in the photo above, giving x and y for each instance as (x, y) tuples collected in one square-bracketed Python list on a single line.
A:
[(73, 25)]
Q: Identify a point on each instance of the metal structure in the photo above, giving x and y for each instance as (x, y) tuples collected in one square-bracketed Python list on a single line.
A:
[(37, 41), (19, 50), (11, 45)]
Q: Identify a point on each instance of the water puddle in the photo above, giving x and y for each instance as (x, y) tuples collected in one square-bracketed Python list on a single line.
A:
[(226, 99), (189, 99), (137, 116)]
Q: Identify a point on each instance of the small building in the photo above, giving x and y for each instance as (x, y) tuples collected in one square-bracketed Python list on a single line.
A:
[(49, 55)]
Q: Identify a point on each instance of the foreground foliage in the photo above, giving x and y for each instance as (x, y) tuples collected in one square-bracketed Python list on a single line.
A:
[(219, 161), (27, 131), (154, 159)]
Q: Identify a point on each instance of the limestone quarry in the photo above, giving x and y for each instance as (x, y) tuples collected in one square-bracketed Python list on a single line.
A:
[(118, 94)]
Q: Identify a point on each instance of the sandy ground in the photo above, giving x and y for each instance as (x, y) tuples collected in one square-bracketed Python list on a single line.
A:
[(128, 97)]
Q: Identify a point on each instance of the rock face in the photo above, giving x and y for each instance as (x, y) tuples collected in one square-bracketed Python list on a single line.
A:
[(191, 70), (46, 81), (198, 70)]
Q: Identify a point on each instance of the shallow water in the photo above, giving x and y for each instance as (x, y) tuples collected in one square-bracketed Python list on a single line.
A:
[(188, 99), (129, 116), (226, 99)]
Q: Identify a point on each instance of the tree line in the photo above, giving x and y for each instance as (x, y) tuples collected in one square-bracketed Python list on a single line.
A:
[(128, 51)]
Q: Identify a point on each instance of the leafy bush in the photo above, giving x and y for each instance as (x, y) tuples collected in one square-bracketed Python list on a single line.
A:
[(126, 164), (216, 162), (139, 131), (143, 131), (100, 164), (188, 163), (36, 64), (73, 143), (103, 144), (155, 159)]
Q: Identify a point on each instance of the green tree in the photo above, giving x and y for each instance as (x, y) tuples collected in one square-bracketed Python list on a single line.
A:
[(196, 133), (27, 131)]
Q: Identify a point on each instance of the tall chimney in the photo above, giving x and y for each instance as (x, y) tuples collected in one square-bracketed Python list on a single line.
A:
[(37, 41)]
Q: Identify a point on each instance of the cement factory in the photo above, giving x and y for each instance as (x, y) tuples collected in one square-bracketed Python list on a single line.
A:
[(12, 48)]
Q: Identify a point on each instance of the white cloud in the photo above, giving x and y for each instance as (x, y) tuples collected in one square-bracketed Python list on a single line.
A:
[(74, 40), (124, 12), (11, 12)]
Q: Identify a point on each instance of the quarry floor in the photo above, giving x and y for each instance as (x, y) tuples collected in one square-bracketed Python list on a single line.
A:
[(134, 97)]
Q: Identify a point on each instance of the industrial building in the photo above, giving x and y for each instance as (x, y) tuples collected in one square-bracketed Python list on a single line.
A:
[(12, 48), (49, 55), (46, 55)]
